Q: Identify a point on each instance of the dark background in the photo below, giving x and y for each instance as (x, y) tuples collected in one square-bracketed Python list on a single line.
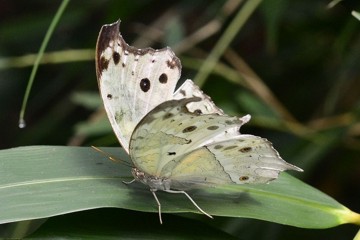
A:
[(305, 53)]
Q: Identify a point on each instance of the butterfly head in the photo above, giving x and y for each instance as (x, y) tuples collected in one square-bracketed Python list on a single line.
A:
[(155, 183)]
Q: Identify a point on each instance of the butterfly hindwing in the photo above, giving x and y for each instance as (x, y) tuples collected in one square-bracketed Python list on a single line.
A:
[(166, 132), (245, 159), (204, 106), (186, 147)]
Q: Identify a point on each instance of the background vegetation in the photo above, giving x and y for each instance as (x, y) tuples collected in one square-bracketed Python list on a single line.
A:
[(293, 65)]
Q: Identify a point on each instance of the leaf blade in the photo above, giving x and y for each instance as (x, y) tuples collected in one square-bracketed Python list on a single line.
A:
[(44, 181)]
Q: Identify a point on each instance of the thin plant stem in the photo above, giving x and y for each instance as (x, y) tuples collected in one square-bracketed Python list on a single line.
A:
[(45, 42), (242, 16)]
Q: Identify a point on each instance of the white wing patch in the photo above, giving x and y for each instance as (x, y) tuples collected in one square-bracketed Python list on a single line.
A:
[(204, 106), (132, 81)]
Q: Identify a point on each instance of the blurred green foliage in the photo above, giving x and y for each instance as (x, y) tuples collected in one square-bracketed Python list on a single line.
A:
[(294, 66)]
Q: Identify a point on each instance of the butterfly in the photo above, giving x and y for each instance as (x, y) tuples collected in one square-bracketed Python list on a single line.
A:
[(177, 140)]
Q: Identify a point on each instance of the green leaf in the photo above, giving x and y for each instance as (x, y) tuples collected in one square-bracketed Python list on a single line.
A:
[(111, 224), (44, 181)]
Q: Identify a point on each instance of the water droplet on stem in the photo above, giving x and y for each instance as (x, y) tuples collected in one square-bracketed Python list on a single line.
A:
[(22, 123)]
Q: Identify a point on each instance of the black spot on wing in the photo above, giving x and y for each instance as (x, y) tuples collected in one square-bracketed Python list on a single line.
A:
[(104, 63), (245, 149), (182, 92), (168, 115), (212, 127), (145, 84), (163, 78), (243, 178), (198, 112), (116, 57), (172, 63), (189, 129)]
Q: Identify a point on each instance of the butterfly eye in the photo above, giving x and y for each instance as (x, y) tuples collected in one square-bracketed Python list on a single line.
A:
[(243, 178), (109, 96)]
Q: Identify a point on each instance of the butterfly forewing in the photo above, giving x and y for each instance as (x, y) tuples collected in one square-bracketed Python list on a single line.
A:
[(132, 81)]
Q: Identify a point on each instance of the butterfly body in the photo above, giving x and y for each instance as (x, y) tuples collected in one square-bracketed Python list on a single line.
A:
[(155, 183), (180, 139)]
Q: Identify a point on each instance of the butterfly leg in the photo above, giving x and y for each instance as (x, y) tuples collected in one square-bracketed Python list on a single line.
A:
[(158, 203), (193, 202), (130, 182)]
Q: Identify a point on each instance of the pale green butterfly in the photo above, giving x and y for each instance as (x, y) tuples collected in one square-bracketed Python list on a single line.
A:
[(179, 139)]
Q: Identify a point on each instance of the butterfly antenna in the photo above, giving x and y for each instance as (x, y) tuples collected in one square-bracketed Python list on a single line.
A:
[(111, 157)]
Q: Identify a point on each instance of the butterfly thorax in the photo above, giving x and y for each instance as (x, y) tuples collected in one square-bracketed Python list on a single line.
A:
[(155, 183)]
